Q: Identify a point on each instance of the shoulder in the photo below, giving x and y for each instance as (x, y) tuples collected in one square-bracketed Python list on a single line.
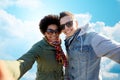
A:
[(40, 43), (91, 34), (100, 37), (87, 37)]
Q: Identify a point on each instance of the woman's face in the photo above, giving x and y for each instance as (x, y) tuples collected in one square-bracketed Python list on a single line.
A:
[(68, 25), (52, 32)]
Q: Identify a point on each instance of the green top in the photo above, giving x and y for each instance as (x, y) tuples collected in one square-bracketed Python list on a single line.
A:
[(47, 66)]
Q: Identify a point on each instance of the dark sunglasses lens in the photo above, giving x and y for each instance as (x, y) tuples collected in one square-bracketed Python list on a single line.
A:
[(55, 31), (50, 31), (62, 26), (69, 24)]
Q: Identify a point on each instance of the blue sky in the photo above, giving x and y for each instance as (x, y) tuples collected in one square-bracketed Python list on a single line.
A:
[(19, 30)]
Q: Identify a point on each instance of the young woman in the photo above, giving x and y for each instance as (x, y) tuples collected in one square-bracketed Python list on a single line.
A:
[(47, 53)]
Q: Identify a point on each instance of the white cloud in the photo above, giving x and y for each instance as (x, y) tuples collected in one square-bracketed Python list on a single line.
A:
[(14, 32), (29, 4), (109, 64), (106, 66), (11, 26), (110, 31), (5, 3), (83, 18), (9, 23), (100, 27), (116, 31), (29, 76), (109, 76)]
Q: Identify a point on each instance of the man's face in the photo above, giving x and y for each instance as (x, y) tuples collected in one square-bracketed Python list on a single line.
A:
[(68, 25)]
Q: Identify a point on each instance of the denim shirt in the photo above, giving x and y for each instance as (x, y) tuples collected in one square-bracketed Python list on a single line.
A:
[(83, 62)]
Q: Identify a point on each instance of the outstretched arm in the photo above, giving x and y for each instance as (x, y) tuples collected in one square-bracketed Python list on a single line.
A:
[(104, 46)]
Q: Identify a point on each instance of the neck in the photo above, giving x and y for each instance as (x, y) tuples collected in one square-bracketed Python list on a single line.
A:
[(77, 30)]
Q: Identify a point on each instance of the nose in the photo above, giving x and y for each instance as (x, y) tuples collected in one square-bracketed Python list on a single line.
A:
[(65, 27), (54, 33)]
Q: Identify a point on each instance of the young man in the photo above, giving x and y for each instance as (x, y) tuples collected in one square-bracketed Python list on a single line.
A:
[(85, 49)]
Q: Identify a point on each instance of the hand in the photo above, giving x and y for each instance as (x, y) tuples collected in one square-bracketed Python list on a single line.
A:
[(4, 72)]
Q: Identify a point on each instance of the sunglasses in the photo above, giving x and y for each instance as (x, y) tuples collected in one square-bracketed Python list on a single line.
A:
[(68, 24), (51, 31)]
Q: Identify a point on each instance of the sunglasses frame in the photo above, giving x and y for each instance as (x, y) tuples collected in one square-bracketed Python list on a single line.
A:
[(51, 31), (68, 24)]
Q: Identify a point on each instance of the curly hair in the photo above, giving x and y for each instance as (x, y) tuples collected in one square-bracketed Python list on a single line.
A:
[(48, 20)]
